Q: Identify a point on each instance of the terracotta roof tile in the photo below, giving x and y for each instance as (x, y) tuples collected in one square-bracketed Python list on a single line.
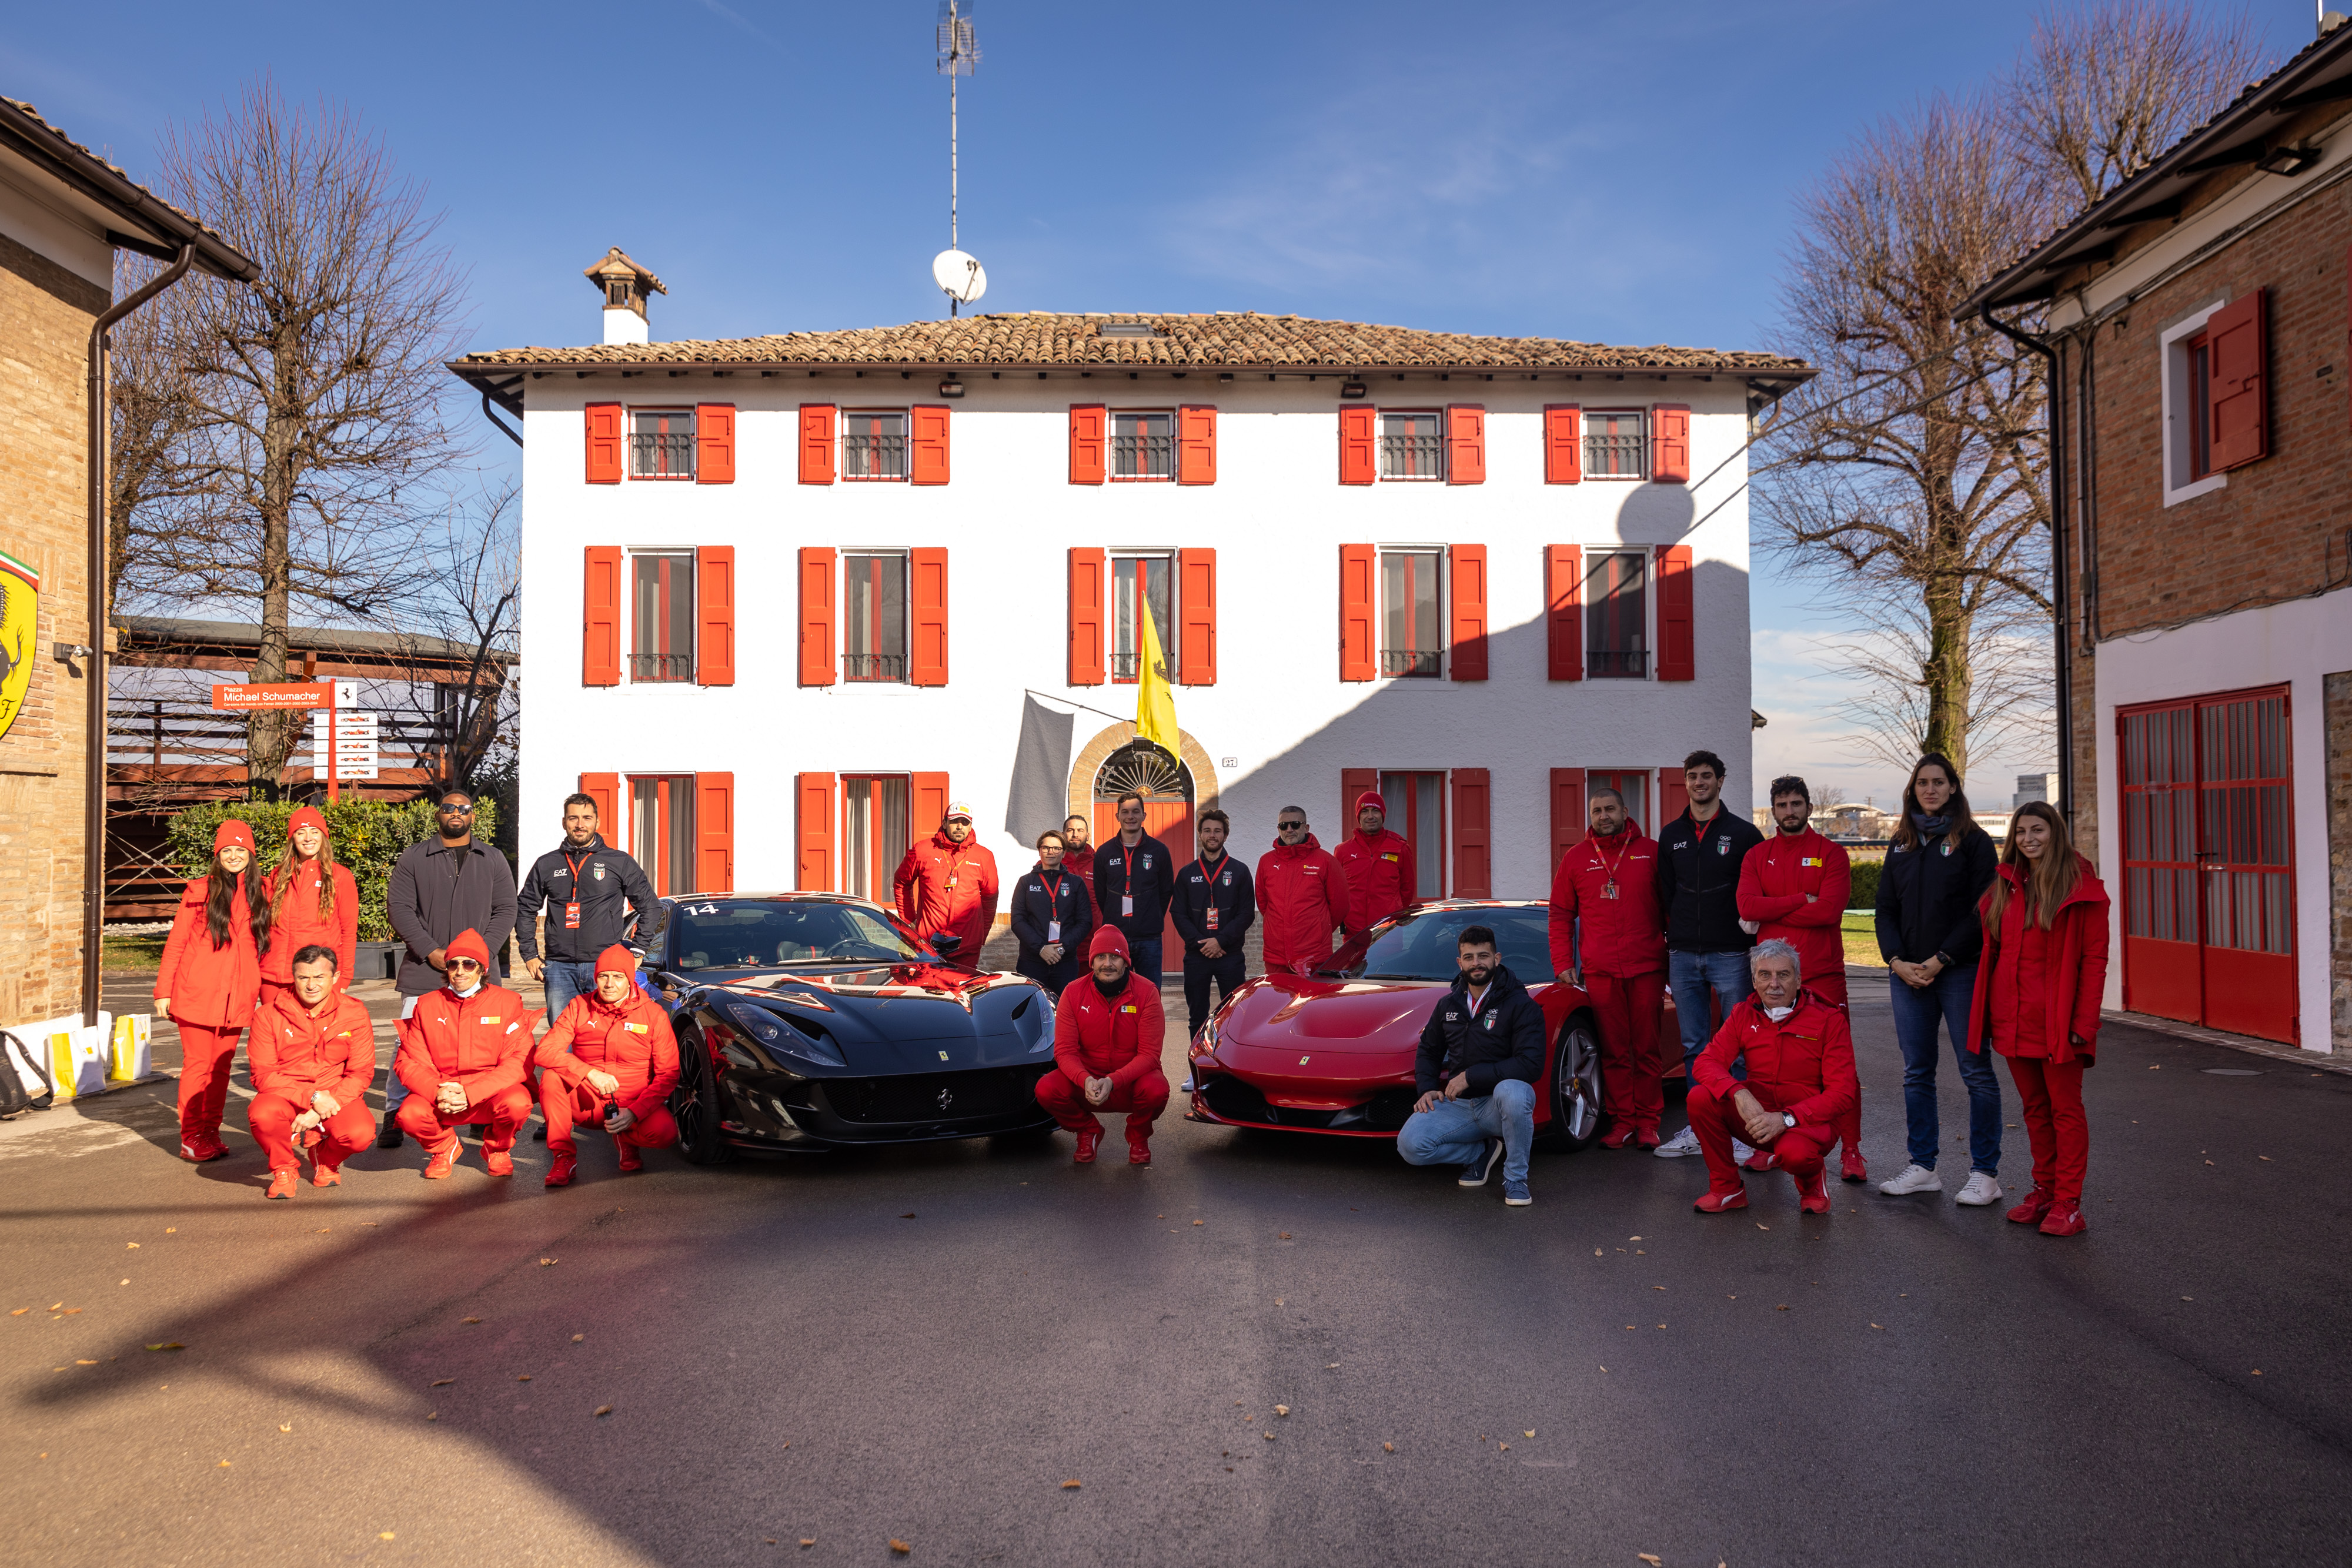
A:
[(224, 256)]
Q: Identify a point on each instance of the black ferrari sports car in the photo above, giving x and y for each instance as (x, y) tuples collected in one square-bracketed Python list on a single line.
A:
[(813, 1020)]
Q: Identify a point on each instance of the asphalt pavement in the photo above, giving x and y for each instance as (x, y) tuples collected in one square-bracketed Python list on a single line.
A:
[(1263, 1348)]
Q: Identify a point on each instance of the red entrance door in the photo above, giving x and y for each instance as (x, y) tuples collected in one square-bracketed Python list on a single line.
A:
[(1170, 821), (2209, 876)]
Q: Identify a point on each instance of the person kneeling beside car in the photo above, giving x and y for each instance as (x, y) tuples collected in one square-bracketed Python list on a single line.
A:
[(312, 1056), (1106, 1034), (610, 1060), (1801, 1082), (463, 1054), (1481, 1052)]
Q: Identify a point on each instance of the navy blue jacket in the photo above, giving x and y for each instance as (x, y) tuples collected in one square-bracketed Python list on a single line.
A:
[(1040, 897), (1229, 892), (1151, 881), (1504, 1038)]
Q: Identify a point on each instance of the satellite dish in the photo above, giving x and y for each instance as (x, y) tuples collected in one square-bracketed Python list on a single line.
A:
[(959, 276)]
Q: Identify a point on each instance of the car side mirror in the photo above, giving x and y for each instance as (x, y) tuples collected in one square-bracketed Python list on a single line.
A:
[(945, 945)]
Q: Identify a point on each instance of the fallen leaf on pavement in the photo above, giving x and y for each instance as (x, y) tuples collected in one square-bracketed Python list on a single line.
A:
[(1657, 1287), (1531, 1434), (1199, 1222), (470, 1319), (132, 1245), (71, 1311), (433, 1415), (168, 1344), (1506, 1448), (1282, 1409), (811, 1540), (222, 1466), (1632, 1239), (2264, 1158), (1596, 1251), (1877, 1326), (1781, 1307), (549, 1263), (2188, 1298), (899, 1546), (1388, 1448), (1270, 1437), (384, 1535), (20, 1311), (1649, 1557), (908, 1214), (578, 1337), (441, 1382), (1069, 1486), (522, 1377), (85, 1364), (607, 1410), (1762, 1226), (1277, 1300)]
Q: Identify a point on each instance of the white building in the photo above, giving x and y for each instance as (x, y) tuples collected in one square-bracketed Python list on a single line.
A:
[(797, 586)]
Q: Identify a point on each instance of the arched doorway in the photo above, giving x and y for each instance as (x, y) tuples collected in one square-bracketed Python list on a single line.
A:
[(1165, 782)]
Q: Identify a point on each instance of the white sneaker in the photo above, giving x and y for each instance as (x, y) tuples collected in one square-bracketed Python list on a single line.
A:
[(1185, 1087), (1982, 1191), (1915, 1178), (1741, 1152), (1682, 1142)]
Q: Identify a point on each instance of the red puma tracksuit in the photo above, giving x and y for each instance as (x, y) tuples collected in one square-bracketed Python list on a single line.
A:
[(631, 1041), (294, 1052)]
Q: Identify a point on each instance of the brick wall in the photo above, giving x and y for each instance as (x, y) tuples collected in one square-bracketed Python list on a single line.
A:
[(2339, 857), (45, 319)]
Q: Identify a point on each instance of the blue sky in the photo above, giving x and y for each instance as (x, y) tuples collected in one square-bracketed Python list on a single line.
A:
[(1622, 174)]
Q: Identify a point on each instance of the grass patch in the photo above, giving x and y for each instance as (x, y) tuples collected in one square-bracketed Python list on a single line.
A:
[(134, 949)]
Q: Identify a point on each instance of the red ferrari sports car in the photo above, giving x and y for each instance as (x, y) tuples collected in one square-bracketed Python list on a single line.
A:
[(1333, 1051)]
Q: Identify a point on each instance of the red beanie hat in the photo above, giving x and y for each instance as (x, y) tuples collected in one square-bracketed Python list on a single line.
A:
[(233, 831), (616, 959), (305, 817), (1108, 939), (469, 943), (1373, 798)]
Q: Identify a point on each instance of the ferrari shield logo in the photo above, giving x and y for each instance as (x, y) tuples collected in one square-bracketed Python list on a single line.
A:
[(1302, 1061), (20, 598)]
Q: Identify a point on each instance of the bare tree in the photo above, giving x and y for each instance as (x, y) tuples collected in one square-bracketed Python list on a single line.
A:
[(471, 606), (318, 387), (160, 489)]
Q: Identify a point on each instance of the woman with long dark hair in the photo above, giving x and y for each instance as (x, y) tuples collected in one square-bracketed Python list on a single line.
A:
[(313, 902), (211, 979), (1053, 915), (1938, 865), (2036, 1001)]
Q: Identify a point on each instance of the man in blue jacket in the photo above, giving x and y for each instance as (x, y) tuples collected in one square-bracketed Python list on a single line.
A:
[(1134, 877), (1481, 1053), (1214, 906)]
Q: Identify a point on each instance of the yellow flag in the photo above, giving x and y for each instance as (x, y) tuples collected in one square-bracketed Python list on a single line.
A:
[(1155, 705)]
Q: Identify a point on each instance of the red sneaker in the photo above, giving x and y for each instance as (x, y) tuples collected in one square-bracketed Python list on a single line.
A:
[(443, 1158), (2035, 1207), (1138, 1151), (2064, 1219), (282, 1184), (1616, 1137), (1814, 1192), (1851, 1167), (326, 1176), (1716, 1202), (1088, 1137), (497, 1162), (561, 1170), (1761, 1160), (198, 1147), (630, 1159), (1647, 1138)]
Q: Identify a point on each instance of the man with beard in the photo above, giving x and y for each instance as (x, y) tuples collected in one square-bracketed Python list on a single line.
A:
[(947, 887), (1605, 926), (1481, 1052)]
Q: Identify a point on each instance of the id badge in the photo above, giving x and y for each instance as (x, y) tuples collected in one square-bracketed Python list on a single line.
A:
[(1213, 917), (1053, 931), (952, 882), (1126, 903), (571, 916), (1608, 889)]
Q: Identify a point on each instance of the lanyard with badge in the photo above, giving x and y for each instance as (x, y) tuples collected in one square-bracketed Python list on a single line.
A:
[(1609, 867), (1209, 875), (1127, 863), (1054, 928), (572, 909)]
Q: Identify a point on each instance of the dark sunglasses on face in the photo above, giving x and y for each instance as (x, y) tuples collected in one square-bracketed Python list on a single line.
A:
[(1291, 827), (457, 810), (466, 964)]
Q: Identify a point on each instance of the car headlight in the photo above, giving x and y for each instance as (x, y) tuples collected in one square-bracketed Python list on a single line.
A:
[(778, 1034), (1206, 1040)]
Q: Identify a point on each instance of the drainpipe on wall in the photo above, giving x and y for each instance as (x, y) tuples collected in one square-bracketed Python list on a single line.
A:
[(93, 826), (2060, 645)]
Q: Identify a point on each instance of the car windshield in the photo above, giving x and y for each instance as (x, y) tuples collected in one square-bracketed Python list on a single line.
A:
[(1424, 946), (769, 934)]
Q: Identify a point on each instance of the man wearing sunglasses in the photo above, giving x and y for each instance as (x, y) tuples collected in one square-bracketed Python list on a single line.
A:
[(464, 1050), (448, 883), (1302, 897)]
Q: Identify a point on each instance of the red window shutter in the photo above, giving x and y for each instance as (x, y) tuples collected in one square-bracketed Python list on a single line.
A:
[(1564, 612), (1196, 580), (927, 616), (1466, 445), (714, 444), (1358, 568), (1677, 660), (817, 580), (1360, 430), (1674, 798), (816, 443), (1473, 849), (813, 833), (927, 805), (714, 608), (606, 788), (1568, 812), (928, 446), (2239, 348), (1087, 568), (1469, 640), (1670, 444), (1088, 426), (714, 832), (600, 635), (604, 443), (1353, 782), (1196, 446), (1563, 444)]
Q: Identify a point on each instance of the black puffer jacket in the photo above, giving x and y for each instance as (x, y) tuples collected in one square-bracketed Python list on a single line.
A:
[(1928, 898), (1504, 1038), (1698, 882), (1227, 890), (612, 888)]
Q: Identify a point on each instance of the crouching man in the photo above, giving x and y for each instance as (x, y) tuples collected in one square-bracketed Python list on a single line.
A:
[(312, 1056), (1107, 1031), (463, 1053), (1799, 1083), (610, 1060), (1481, 1052)]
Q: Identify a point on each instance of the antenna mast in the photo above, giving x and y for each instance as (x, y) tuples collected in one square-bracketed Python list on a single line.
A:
[(958, 54)]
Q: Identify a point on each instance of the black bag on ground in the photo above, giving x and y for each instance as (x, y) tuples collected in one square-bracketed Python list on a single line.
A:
[(20, 1071)]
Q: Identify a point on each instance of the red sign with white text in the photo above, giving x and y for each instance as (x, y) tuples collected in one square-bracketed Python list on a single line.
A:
[(273, 695)]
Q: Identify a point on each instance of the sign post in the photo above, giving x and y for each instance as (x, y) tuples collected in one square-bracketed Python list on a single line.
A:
[(277, 696)]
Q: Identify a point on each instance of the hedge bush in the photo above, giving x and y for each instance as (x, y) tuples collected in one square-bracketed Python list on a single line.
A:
[(1865, 884), (368, 836)]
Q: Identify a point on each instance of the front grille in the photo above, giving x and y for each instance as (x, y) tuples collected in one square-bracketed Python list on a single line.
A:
[(1238, 1100), (915, 1097)]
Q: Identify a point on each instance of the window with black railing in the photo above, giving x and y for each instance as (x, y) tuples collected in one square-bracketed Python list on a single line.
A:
[(661, 623), (1616, 446), (1616, 616), (1410, 643), (1142, 446), (1409, 448), (661, 444), (874, 447), (873, 615)]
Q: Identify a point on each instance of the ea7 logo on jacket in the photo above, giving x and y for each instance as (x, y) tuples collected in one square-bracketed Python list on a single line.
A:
[(1453, 1018)]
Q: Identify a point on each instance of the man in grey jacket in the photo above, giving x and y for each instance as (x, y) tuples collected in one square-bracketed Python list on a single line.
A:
[(445, 885)]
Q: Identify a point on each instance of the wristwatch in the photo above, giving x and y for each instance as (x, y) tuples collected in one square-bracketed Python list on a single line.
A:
[(1789, 1119)]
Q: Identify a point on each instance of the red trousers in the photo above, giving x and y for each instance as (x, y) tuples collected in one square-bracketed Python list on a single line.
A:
[(2051, 1093), (204, 1058), (342, 1135), (1799, 1151), (564, 1108), (1628, 1011), (505, 1111), (1142, 1100), (1831, 989)]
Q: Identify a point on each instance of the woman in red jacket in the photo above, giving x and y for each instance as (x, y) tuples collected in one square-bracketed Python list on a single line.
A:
[(210, 980), (2037, 1001), (312, 901)]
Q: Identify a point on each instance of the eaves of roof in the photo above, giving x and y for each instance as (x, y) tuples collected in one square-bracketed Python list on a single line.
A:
[(156, 228)]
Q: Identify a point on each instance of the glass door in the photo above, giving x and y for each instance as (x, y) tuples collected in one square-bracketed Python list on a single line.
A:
[(1417, 810), (661, 830)]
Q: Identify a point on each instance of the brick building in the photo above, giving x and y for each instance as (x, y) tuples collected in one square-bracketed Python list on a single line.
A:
[(2201, 316), (64, 211)]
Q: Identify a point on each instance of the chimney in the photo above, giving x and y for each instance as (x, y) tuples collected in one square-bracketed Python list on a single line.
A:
[(625, 286)]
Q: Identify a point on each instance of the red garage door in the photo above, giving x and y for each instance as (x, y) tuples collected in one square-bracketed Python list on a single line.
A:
[(2208, 877)]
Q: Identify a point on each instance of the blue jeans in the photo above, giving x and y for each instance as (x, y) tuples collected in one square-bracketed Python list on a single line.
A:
[(1917, 1013), (1691, 976), (1455, 1132), (567, 978), (1143, 957)]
